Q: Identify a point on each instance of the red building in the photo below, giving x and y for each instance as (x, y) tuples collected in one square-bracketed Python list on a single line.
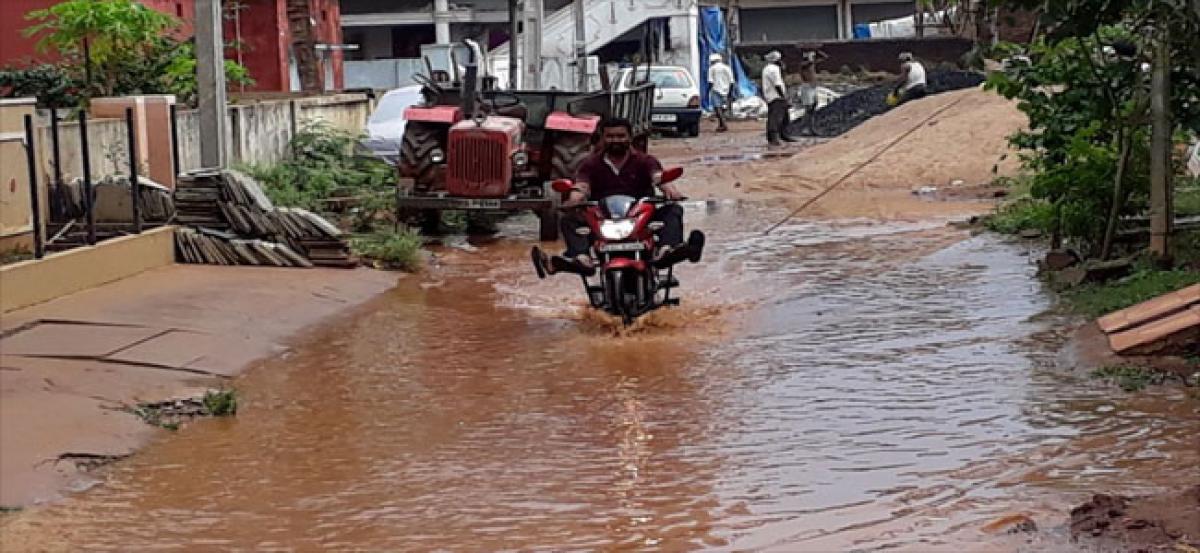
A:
[(261, 27)]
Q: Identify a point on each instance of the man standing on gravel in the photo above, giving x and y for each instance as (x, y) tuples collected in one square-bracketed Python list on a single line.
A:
[(911, 84), (775, 93), (720, 84), (808, 85)]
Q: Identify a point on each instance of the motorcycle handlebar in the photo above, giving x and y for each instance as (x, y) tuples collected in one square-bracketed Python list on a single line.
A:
[(650, 200)]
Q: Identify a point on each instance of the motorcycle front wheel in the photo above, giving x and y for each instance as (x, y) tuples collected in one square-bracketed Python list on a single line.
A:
[(621, 303)]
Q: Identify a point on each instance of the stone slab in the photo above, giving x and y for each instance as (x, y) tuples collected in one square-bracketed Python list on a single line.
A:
[(1150, 310), (1159, 330), (74, 340)]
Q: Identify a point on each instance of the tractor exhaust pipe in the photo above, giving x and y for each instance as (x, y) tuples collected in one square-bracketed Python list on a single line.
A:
[(470, 82)]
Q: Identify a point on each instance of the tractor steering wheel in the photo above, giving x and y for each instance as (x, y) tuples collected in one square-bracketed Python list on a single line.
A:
[(428, 83)]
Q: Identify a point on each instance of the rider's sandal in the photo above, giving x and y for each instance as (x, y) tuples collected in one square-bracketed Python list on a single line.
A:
[(695, 246), (539, 262)]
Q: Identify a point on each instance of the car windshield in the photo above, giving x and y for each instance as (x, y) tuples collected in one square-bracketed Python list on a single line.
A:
[(662, 78)]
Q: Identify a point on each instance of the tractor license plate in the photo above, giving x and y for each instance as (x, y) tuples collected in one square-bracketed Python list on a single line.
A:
[(623, 247), (477, 204), (663, 117)]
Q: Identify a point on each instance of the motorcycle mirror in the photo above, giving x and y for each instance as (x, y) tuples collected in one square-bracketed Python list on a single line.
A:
[(671, 174), (562, 186)]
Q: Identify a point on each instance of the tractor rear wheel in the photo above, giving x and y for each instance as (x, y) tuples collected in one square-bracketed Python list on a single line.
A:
[(420, 139), (569, 151)]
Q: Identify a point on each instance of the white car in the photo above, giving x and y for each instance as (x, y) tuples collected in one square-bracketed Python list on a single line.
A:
[(385, 127), (676, 95)]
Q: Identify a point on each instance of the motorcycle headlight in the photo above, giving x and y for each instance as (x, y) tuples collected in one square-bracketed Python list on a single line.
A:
[(437, 155), (520, 159), (618, 229)]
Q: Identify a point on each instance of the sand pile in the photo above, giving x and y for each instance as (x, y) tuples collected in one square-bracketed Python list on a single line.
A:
[(957, 148)]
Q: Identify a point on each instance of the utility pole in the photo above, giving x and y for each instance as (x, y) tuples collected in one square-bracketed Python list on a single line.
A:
[(580, 48), (210, 83), (513, 31), (532, 45), (1161, 213)]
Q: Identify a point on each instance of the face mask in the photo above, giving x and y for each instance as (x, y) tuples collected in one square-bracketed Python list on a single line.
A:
[(617, 148)]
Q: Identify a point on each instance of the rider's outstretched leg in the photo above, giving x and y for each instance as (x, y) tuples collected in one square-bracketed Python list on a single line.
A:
[(673, 249), (577, 258)]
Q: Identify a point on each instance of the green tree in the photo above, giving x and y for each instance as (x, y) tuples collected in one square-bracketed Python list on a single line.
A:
[(1093, 107), (111, 48), (104, 35)]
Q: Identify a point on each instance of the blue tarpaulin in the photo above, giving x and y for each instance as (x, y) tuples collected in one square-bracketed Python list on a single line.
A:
[(713, 38)]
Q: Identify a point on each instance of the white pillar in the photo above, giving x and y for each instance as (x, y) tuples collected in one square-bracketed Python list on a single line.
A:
[(441, 21), (693, 41), (580, 46), (531, 43), (210, 83)]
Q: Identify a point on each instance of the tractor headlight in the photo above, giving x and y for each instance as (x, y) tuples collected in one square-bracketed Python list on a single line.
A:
[(437, 155), (618, 229), (520, 159)]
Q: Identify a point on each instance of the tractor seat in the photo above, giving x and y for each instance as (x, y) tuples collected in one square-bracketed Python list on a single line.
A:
[(516, 111)]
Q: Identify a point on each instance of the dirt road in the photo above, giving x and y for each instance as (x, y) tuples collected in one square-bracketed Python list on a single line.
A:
[(845, 383)]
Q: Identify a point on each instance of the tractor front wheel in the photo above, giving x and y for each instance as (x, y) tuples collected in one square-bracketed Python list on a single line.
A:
[(420, 139)]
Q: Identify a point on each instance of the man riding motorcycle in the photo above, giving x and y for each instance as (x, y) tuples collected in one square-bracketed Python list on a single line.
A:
[(619, 169)]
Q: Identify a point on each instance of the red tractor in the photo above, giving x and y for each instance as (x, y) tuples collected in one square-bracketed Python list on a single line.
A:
[(486, 150)]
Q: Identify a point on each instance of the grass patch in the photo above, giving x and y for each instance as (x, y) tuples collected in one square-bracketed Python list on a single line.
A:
[(1022, 211), (1129, 377), (1094, 300), (171, 414), (1021, 214), (1187, 197), (323, 164), (14, 256), (220, 403), (397, 250), (156, 415)]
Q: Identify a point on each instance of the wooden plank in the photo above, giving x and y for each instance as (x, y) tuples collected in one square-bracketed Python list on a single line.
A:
[(1149, 311), (1162, 329)]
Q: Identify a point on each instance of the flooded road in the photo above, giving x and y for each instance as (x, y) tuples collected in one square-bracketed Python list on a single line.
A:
[(835, 386)]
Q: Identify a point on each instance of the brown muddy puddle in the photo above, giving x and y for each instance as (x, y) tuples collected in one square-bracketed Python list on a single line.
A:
[(835, 386)]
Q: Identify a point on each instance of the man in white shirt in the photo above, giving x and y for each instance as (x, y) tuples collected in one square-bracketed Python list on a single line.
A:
[(720, 84), (775, 93), (911, 84), (808, 86)]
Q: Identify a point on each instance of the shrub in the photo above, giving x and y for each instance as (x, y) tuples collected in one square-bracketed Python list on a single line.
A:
[(399, 250)]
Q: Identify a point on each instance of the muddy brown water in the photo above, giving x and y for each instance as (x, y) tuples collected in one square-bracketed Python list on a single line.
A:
[(835, 386)]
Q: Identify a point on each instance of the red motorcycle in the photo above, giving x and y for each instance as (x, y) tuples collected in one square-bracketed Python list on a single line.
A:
[(628, 282)]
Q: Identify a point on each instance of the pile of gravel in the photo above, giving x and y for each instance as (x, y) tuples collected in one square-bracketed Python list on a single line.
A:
[(853, 109)]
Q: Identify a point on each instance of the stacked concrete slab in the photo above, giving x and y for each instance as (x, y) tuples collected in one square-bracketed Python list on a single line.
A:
[(230, 221), (1164, 324)]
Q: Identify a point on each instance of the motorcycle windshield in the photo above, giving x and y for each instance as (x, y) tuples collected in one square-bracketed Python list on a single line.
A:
[(617, 206)]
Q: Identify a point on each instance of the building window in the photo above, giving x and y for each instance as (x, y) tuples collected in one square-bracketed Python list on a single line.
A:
[(178, 9), (786, 24), (879, 11)]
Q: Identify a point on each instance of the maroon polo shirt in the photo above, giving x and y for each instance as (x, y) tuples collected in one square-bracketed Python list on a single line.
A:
[(634, 178)]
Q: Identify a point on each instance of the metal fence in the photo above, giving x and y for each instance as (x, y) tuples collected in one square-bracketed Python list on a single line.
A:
[(61, 221)]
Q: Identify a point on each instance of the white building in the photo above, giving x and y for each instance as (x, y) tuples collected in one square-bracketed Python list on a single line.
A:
[(390, 32)]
